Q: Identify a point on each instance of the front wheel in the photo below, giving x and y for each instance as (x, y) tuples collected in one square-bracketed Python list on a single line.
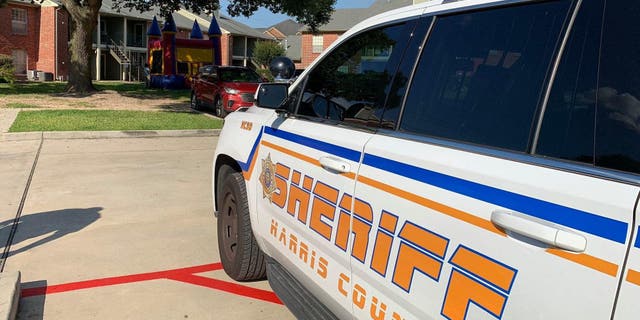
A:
[(220, 112), (241, 257), (195, 104)]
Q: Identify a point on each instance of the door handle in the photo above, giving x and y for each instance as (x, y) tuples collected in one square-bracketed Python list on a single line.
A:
[(535, 230), (335, 164)]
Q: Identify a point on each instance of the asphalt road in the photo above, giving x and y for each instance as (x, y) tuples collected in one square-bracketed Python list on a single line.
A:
[(119, 229)]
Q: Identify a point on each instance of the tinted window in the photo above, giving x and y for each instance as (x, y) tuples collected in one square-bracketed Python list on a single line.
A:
[(398, 89), (351, 83), (569, 121), (480, 76), (618, 104), (238, 75), (594, 119)]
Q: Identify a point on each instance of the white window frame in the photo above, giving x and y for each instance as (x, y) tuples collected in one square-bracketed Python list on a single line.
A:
[(18, 21), (317, 43)]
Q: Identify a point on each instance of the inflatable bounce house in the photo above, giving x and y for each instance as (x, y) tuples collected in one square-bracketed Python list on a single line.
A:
[(173, 62)]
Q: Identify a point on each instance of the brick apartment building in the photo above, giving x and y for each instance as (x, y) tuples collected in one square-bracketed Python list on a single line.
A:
[(341, 21), (36, 34)]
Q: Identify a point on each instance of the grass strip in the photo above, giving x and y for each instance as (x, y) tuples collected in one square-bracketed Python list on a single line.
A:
[(135, 89), (20, 105), (108, 120)]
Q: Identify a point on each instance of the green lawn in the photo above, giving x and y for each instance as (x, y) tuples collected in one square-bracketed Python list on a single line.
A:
[(106, 120), (138, 89), (135, 89), (20, 105), (32, 88)]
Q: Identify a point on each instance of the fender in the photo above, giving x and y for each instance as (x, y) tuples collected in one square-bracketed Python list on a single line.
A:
[(238, 141)]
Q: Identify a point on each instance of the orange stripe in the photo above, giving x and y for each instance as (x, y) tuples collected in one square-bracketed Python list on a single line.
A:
[(455, 213), (247, 174), (291, 153), (349, 175), (452, 212), (587, 261), (302, 157), (633, 276), (582, 259)]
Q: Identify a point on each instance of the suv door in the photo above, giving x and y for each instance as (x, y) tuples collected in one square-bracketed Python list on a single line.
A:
[(468, 223), (308, 162), (618, 125), (209, 87)]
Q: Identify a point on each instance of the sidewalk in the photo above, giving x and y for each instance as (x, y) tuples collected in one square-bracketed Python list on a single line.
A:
[(118, 228), (7, 116), (20, 152)]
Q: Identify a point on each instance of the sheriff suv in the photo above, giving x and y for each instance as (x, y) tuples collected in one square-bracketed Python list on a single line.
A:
[(448, 160)]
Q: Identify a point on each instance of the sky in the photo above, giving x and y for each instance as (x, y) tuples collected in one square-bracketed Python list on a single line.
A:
[(264, 18)]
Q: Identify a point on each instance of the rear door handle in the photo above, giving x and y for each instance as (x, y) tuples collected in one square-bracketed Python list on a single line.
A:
[(334, 164), (535, 230)]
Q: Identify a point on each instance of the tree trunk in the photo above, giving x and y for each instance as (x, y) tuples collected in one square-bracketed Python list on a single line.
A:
[(85, 20)]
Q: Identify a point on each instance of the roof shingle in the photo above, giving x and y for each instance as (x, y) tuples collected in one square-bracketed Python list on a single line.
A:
[(343, 19)]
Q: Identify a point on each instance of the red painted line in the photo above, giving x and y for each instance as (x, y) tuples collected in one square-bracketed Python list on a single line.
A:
[(73, 286), (227, 287), (185, 275)]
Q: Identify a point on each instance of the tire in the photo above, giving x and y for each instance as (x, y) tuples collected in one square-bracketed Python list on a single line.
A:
[(241, 257), (195, 104), (220, 112)]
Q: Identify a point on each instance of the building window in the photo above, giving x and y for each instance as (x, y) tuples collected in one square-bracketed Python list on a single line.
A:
[(19, 21), (103, 28), (138, 35), (19, 61), (318, 44)]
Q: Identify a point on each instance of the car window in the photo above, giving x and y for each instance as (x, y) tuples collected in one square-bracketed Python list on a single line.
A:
[(238, 75), (593, 114), (480, 76), (352, 82), (618, 106), (567, 130), (398, 89), (211, 77)]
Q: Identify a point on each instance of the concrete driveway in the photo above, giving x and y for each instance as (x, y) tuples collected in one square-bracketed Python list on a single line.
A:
[(118, 228)]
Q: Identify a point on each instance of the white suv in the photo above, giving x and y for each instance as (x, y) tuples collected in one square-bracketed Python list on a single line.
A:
[(461, 160)]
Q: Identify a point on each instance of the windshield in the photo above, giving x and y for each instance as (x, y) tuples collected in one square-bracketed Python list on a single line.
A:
[(239, 75)]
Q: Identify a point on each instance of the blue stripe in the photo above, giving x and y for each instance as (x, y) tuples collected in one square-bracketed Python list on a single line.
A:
[(580, 220), (607, 228), (637, 244), (333, 149), (245, 165)]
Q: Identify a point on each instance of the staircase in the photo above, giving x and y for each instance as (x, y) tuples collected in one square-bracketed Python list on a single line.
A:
[(118, 53)]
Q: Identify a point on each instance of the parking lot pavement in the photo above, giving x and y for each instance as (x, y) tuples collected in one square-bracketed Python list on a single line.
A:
[(120, 229)]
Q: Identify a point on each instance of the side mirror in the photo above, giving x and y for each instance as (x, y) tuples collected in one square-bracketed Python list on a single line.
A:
[(271, 95)]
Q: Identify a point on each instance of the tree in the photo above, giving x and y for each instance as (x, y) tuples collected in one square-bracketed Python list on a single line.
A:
[(84, 14), (3, 3), (265, 51)]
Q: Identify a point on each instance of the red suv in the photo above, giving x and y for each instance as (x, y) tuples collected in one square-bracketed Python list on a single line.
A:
[(224, 88)]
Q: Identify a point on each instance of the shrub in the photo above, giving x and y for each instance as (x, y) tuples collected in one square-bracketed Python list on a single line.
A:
[(6, 68), (265, 73), (265, 51)]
